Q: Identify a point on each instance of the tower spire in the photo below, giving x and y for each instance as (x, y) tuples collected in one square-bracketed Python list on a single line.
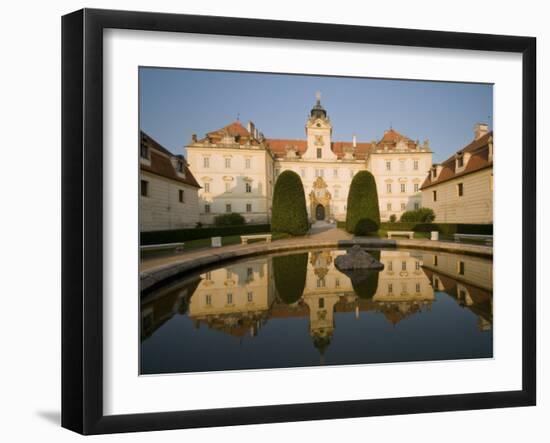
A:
[(318, 97)]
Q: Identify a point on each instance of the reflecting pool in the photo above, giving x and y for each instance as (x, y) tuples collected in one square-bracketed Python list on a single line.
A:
[(297, 309)]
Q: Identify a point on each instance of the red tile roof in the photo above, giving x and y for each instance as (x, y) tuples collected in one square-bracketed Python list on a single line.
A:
[(235, 129), (479, 150), (161, 163)]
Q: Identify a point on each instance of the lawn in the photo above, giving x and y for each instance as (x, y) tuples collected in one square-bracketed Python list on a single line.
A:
[(204, 243)]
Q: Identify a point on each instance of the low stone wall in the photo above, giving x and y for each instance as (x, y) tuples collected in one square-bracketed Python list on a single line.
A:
[(169, 268)]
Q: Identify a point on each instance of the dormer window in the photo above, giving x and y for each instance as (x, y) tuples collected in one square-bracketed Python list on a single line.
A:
[(144, 151), (459, 160), (180, 167)]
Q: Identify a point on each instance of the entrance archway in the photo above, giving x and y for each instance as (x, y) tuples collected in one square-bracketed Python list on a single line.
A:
[(320, 212)]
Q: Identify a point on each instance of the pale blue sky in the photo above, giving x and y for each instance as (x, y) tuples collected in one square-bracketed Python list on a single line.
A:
[(175, 103)]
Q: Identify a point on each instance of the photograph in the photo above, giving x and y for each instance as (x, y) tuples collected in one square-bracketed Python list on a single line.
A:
[(291, 221)]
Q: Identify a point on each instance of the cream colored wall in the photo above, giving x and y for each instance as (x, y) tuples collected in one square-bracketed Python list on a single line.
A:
[(161, 209), (408, 176), (260, 175), (475, 206)]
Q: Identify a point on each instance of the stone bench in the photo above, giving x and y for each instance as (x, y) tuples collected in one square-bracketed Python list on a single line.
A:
[(488, 239), (177, 247), (409, 234), (245, 238)]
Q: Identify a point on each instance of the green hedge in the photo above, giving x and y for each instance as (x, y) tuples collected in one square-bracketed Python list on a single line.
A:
[(363, 213), (182, 235), (289, 213), (290, 272), (231, 219), (444, 228)]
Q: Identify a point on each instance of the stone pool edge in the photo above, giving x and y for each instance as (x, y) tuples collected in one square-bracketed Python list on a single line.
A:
[(153, 277)]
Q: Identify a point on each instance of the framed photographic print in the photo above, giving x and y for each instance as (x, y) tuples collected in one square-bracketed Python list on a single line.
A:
[(269, 221)]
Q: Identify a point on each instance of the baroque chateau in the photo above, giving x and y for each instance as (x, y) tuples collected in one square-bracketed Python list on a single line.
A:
[(237, 167), (234, 169)]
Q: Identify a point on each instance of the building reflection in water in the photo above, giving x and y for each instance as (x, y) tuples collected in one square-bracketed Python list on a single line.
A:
[(240, 298)]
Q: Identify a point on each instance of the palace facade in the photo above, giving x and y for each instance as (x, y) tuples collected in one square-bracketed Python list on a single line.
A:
[(460, 190), (236, 168), (168, 190)]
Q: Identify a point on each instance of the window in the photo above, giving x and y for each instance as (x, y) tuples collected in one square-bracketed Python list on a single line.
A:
[(144, 151), (247, 163), (403, 187), (390, 266), (388, 165), (435, 260), (388, 206), (460, 268), (207, 187), (229, 299), (228, 207), (321, 303), (181, 196), (337, 283), (403, 206), (319, 173), (416, 206), (390, 288), (434, 196), (335, 173), (144, 188), (249, 272), (460, 189), (460, 162), (227, 187), (207, 208), (206, 162), (417, 265), (227, 162), (319, 152), (250, 297), (388, 188), (418, 287), (320, 282), (180, 167), (416, 187), (249, 207), (401, 165), (403, 265), (248, 187), (415, 165), (208, 299)]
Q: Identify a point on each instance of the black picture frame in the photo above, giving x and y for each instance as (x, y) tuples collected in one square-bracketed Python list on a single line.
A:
[(82, 218)]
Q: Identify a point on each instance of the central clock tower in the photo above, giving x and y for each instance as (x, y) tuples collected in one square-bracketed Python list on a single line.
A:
[(319, 133)]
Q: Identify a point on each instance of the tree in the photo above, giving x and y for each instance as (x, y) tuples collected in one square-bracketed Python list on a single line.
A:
[(363, 213), (289, 213)]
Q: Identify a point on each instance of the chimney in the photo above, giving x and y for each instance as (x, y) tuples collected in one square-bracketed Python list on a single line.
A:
[(354, 141), (251, 128), (480, 129)]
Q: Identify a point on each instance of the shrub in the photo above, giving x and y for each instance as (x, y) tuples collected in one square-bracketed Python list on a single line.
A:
[(424, 215), (290, 276), (231, 219), (393, 218), (289, 213), (363, 213), (182, 235)]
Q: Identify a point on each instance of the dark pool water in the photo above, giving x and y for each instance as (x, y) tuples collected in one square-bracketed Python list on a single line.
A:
[(297, 309)]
